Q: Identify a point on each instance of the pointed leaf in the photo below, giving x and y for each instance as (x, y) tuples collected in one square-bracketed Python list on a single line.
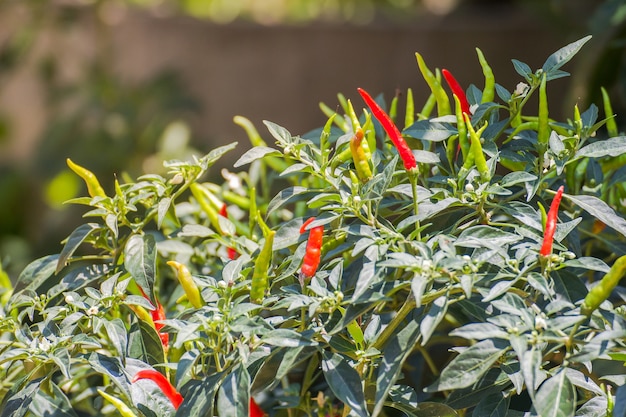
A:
[(563, 55), (556, 397), (610, 147), (140, 261), (600, 210), (258, 152), (234, 394), (73, 242), (344, 382)]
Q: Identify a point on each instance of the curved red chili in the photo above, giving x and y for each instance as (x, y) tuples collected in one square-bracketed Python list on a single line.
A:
[(165, 385), (254, 409), (313, 253), (392, 130), (546, 247), (456, 90), (157, 315)]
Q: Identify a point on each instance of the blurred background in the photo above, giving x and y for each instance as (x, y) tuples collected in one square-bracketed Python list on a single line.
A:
[(121, 85)]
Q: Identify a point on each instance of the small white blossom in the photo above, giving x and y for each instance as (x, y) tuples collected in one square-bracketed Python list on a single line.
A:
[(540, 322), (92, 311), (521, 89), (233, 181), (44, 344)]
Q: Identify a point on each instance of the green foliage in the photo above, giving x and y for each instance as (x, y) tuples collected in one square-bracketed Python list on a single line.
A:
[(431, 297)]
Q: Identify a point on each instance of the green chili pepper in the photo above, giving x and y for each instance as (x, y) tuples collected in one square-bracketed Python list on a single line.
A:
[(476, 151), (125, 411), (261, 269), (490, 81), (356, 126), (324, 142), (611, 124), (361, 161), (603, 289), (461, 127), (428, 107), (409, 115), (186, 281), (207, 204), (543, 128), (443, 102), (93, 185)]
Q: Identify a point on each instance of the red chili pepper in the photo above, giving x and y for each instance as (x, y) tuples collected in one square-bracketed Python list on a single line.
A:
[(232, 253), (392, 130), (165, 385), (157, 315), (313, 251), (254, 409), (456, 90), (546, 247)]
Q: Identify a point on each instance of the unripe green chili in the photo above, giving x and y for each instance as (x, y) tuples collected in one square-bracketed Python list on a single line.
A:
[(611, 124), (489, 90), (409, 115), (93, 185), (361, 161), (261, 269), (393, 108), (603, 289), (543, 127), (461, 127), (186, 281), (313, 253), (457, 90), (339, 121), (476, 150), (428, 107), (551, 218), (356, 126), (166, 387), (202, 196), (443, 102), (394, 134), (125, 411)]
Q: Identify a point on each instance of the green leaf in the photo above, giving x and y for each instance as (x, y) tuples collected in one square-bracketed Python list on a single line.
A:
[(200, 396), (485, 237), (344, 382), (73, 242), (522, 69), (17, 401), (234, 394), (530, 366), (609, 147), (600, 210), (467, 368), (36, 273), (287, 195), (431, 131), (57, 404), (287, 338), (493, 405), (140, 261), (517, 177), (145, 344), (431, 320), (395, 353), (563, 55), (556, 397), (213, 156), (431, 409), (258, 152)]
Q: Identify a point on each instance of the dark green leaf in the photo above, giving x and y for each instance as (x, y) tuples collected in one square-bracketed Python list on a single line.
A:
[(344, 382), (516, 177), (36, 273), (431, 131), (609, 147), (522, 69), (285, 196), (140, 261), (73, 242), (54, 404), (258, 152), (18, 399), (287, 338), (556, 397), (600, 210), (145, 344), (234, 394), (563, 55), (431, 320), (395, 352), (467, 368), (199, 397), (493, 405)]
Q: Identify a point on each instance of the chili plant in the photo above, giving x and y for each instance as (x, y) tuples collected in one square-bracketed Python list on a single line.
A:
[(362, 269)]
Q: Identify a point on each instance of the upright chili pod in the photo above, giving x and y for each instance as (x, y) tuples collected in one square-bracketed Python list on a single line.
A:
[(361, 161), (443, 102), (392, 130), (186, 281), (261, 269), (313, 253), (158, 378), (457, 90), (551, 218), (611, 124), (476, 151), (93, 185), (543, 127), (489, 91), (603, 289)]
